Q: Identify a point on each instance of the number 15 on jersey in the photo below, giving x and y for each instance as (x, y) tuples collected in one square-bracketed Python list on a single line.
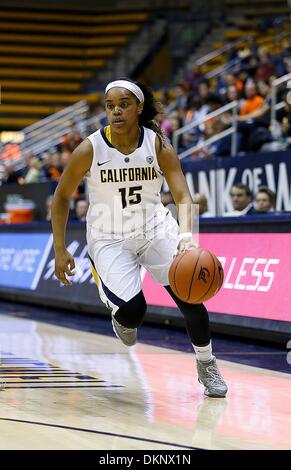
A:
[(130, 196)]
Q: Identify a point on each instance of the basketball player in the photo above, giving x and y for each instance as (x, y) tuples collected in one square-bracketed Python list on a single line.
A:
[(127, 225)]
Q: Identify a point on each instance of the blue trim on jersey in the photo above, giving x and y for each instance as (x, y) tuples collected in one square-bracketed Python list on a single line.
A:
[(140, 140), (110, 295), (141, 137), (105, 138)]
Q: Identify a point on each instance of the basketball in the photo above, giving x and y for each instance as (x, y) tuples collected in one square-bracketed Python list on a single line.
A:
[(196, 275)]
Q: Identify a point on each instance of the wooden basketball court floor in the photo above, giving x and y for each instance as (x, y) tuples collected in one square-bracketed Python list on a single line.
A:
[(64, 388)]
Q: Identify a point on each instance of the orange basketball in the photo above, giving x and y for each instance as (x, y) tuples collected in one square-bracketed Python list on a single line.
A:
[(196, 275)]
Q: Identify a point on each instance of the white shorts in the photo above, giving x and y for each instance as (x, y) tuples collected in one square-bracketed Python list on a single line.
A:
[(118, 263)]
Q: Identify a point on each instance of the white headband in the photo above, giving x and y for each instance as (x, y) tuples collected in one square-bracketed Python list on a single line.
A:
[(129, 86)]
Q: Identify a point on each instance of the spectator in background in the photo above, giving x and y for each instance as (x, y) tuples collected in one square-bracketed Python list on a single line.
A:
[(254, 119), (194, 112), (194, 77), (195, 109), (233, 94), (250, 68), (11, 174), (174, 123), (283, 116), (72, 139), (221, 148), (163, 120), (102, 119), (33, 170), (179, 101), (265, 67), (214, 102), (224, 82), (211, 103), (203, 205), (265, 200), (264, 88), (261, 116), (241, 198), (253, 99), (46, 161), (81, 208), (55, 169), (204, 91)]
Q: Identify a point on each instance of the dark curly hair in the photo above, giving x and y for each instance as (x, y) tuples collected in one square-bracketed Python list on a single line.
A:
[(150, 110)]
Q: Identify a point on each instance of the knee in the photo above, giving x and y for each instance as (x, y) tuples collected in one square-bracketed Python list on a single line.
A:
[(191, 310), (132, 313)]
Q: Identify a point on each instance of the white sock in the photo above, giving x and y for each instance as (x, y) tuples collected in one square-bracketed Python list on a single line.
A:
[(203, 353)]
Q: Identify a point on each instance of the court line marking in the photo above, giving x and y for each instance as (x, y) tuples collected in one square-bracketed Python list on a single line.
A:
[(52, 382), (102, 433), (78, 385), (29, 369), (35, 374)]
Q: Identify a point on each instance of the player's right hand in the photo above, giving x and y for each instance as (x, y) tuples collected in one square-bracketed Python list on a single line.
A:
[(64, 265), (185, 244)]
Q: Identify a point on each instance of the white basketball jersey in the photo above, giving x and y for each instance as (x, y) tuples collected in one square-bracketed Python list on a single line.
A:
[(124, 190)]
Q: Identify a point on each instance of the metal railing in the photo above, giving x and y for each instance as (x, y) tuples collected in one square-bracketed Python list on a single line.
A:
[(217, 52), (223, 68), (47, 132), (275, 85), (233, 107), (276, 38), (86, 125), (61, 127)]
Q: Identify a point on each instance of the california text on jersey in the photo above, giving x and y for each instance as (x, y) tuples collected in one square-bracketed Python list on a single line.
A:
[(119, 175)]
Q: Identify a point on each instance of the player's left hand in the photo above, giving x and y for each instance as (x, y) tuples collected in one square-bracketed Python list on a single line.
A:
[(187, 243)]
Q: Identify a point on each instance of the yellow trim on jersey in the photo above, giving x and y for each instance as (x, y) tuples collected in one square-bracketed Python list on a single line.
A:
[(95, 275), (107, 131)]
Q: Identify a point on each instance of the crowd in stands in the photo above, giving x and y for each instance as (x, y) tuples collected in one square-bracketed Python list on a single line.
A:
[(250, 85), (193, 98), (244, 202), (46, 166), (77, 212)]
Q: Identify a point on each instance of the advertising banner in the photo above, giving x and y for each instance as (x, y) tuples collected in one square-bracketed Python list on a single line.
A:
[(83, 289), (215, 177), (256, 272), (22, 258), (256, 275)]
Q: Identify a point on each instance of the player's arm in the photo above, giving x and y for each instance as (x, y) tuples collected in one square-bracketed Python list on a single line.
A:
[(171, 168), (78, 165)]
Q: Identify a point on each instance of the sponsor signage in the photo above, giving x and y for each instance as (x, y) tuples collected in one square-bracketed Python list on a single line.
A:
[(83, 288), (215, 177), (256, 276), (22, 258)]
